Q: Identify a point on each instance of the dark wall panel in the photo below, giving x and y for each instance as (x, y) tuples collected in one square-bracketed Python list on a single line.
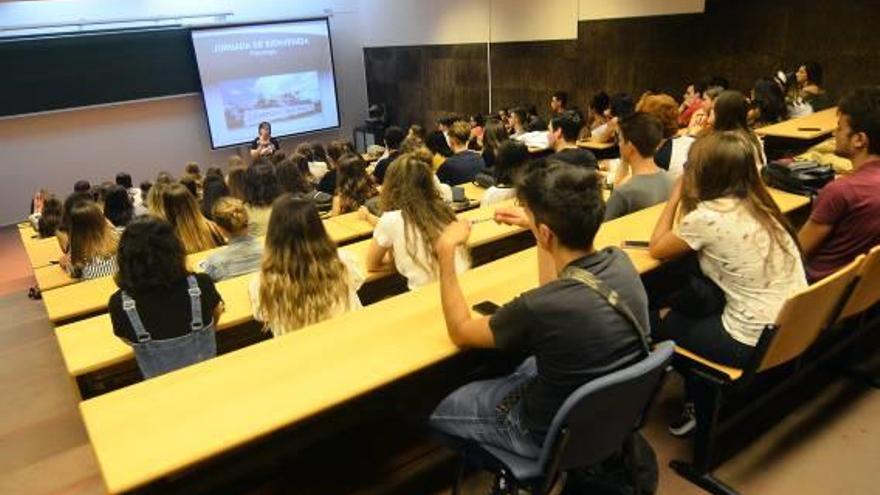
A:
[(738, 39)]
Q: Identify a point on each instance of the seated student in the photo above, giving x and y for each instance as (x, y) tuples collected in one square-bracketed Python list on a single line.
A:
[(445, 122), (768, 104), (621, 105), (243, 252), (335, 151), (93, 243), (595, 114), (417, 131), (809, 87), (699, 123), (640, 183), (62, 233), (478, 127), (165, 313), (509, 161), (235, 181), (571, 333), (535, 122), (196, 232), (193, 171), (562, 135), (414, 215), (464, 164), (730, 112), (354, 186), (137, 200), (190, 183), (749, 259), (292, 180), (845, 221), (261, 189), (213, 189), (693, 101), (117, 205), (517, 120), (673, 150), (304, 279), (393, 137), (82, 186), (301, 162), (47, 220), (558, 103), (439, 148)]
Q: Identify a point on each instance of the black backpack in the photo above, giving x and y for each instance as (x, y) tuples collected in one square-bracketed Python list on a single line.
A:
[(804, 178), (612, 477)]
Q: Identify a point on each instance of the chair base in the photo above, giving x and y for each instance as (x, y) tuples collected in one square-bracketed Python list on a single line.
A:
[(706, 481)]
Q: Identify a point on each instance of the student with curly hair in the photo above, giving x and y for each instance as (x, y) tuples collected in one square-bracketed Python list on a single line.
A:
[(243, 251), (354, 186)]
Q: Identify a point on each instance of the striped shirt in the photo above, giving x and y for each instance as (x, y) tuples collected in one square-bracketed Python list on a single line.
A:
[(97, 267)]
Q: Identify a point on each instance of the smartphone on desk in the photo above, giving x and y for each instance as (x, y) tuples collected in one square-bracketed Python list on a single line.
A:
[(486, 308), (635, 244)]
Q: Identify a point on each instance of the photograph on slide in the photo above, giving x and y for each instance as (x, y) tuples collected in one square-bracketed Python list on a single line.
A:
[(280, 98)]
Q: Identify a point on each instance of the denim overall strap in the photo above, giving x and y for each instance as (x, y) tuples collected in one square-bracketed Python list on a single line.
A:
[(137, 325), (195, 301)]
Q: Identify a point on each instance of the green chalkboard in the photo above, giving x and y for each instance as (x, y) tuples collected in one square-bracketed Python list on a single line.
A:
[(53, 73)]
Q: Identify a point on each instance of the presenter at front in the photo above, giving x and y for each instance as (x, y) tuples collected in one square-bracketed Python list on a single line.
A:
[(264, 145)]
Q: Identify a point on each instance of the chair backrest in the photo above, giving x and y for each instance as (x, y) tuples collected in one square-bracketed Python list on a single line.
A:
[(601, 413), (867, 290), (804, 315)]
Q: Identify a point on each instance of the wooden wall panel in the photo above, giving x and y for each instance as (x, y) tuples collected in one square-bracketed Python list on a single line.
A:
[(741, 40)]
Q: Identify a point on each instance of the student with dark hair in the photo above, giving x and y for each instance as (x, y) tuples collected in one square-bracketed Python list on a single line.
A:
[(62, 233), (699, 123), (693, 101), (192, 184), (393, 137), (558, 103), (439, 148), (809, 86), (417, 131), (293, 181), (749, 259), (464, 164), (570, 332), (82, 186), (48, 219), (242, 252), (562, 136), (167, 314), (117, 206), (478, 127), (261, 189), (621, 105), (730, 112), (596, 113), (535, 122), (213, 170), (845, 221), (93, 243), (213, 189), (719, 81), (510, 158), (768, 104), (235, 180), (137, 196), (335, 151), (640, 182), (517, 118), (264, 145), (354, 186)]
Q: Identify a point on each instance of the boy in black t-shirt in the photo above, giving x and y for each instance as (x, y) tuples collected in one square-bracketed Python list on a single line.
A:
[(562, 134), (572, 333)]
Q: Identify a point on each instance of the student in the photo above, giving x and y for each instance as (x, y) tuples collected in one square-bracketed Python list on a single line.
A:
[(165, 313), (464, 164), (558, 103), (768, 104), (335, 151), (261, 189), (510, 159), (48, 219), (82, 186), (730, 112), (642, 183), (93, 243), (535, 122), (193, 170), (596, 113), (439, 148), (571, 333), (493, 137), (700, 119), (417, 131), (196, 232), (517, 120), (117, 205), (809, 81), (243, 252), (304, 279), (235, 181), (693, 101), (213, 189), (621, 105), (845, 221), (301, 162), (393, 137), (291, 179), (478, 128), (354, 186), (124, 179), (672, 152), (562, 135), (414, 215), (62, 233), (192, 184), (749, 259)]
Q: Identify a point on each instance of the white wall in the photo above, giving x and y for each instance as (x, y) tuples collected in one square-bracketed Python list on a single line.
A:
[(424, 22), (143, 138), (605, 9)]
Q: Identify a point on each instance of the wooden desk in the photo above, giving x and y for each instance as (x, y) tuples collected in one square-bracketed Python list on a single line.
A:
[(312, 370), (42, 252), (595, 145), (824, 122), (473, 191)]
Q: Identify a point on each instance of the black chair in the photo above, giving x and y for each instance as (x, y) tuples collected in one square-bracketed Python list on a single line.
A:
[(591, 425)]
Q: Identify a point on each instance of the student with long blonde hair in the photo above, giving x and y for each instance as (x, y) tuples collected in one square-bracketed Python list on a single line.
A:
[(414, 216), (354, 186), (304, 279), (93, 243), (196, 232)]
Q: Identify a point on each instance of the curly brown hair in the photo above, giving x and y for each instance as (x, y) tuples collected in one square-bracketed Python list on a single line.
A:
[(354, 185), (664, 108)]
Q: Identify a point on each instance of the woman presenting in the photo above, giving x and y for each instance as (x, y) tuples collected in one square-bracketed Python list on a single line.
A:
[(264, 145)]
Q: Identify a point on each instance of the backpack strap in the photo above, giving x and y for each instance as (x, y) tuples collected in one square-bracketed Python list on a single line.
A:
[(611, 297)]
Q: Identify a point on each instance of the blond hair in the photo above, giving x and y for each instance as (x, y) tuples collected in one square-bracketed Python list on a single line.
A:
[(195, 232), (302, 278), (230, 214)]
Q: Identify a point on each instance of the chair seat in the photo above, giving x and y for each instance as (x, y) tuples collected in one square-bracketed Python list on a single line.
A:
[(732, 373), (522, 468)]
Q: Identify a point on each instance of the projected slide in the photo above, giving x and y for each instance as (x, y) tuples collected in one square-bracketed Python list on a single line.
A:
[(281, 73)]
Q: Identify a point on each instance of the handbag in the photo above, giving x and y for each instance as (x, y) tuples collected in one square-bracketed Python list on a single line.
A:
[(804, 178)]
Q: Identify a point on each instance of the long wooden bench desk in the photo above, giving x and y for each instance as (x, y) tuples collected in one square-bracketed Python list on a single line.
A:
[(312, 370), (89, 345), (805, 128), (42, 252)]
